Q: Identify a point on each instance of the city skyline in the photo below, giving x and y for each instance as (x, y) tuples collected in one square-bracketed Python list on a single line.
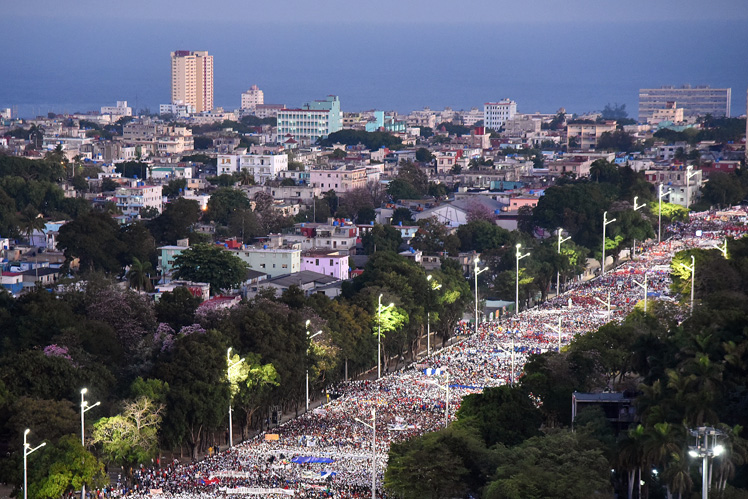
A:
[(595, 53)]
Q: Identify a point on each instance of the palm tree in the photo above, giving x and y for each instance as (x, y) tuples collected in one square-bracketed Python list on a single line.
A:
[(139, 275), (734, 455), (30, 221), (245, 177), (677, 475), (664, 443), (631, 457)]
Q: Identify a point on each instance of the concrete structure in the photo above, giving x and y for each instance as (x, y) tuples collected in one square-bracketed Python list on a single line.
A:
[(262, 166), (695, 101), (587, 134), (133, 199), (307, 281), (330, 263), (315, 120), (252, 98), (192, 79), (520, 125), (274, 261), (178, 109), (340, 180), (676, 180), (495, 114), (670, 113), (121, 109), (335, 235)]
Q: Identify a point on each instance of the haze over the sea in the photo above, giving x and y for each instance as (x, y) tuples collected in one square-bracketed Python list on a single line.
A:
[(544, 54)]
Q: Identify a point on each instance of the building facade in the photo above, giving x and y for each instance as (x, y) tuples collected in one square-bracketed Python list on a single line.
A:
[(340, 180), (695, 101), (495, 114), (134, 199), (586, 135), (315, 120), (272, 261), (192, 79), (328, 263), (262, 166), (252, 98)]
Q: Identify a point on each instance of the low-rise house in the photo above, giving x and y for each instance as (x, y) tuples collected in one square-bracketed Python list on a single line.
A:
[(331, 263)]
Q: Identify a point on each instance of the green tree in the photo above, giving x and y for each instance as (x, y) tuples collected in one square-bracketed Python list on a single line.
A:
[(424, 155), (174, 187), (402, 216), (93, 238), (139, 275), (130, 438), (381, 238), (250, 381), (176, 221), (212, 264), (64, 468), (224, 202), (177, 308)]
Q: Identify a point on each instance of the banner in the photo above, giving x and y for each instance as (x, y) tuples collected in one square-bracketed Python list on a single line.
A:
[(272, 436), (257, 491)]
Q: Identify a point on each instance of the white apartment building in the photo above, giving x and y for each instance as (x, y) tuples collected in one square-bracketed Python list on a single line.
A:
[(133, 199), (262, 166), (178, 109), (683, 188), (587, 134), (272, 261), (315, 120), (340, 180), (496, 113), (192, 79), (121, 109), (252, 98)]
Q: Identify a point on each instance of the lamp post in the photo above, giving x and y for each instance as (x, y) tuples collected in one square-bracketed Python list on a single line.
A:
[(432, 287), (477, 271), (26, 451), (511, 378), (520, 256), (558, 273), (722, 248), (230, 365), (606, 222), (637, 207), (373, 428), (692, 269), (689, 174), (84, 409), (309, 337), (643, 285), (558, 331), (379, 334), (706, 447), (606, 303), (661, 195)]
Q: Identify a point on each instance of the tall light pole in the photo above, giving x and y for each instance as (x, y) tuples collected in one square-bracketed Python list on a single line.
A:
[(644, 286), (637, 207), (722, 248), (705, 447), (606, 222), (84, 409), (230, 365), (379, 334), (558, 273), (557, 330), (373, 428), (309, 337), (26, 451), (520, 256), (477, 271), (661, 195), (692, 269), (606, 303), (432, 287), (689, 174)]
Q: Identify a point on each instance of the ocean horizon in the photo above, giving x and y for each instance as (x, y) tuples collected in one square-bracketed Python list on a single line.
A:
[(66, 68)]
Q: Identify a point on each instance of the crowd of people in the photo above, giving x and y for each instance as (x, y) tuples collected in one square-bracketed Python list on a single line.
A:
[(336, 440)]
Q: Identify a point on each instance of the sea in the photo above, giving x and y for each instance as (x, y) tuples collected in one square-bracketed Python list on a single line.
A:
[(48, 66)]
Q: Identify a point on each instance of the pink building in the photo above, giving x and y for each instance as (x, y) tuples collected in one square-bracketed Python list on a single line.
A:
[(330, 263)]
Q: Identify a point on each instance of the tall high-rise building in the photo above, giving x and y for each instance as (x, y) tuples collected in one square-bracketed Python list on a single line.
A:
[(192, 79), (252, 98), (695, 101)]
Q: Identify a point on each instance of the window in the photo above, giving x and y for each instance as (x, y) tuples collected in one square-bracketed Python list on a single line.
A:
[(316, 262), (262, 265), (330, 261)]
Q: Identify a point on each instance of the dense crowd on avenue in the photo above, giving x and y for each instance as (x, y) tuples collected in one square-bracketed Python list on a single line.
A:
[(336, 445)]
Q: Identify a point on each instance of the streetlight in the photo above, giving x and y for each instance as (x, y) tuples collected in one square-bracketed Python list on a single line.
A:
[(432, 287), (520, 256), (229, 365), (477, 271), (689, 174), (606, 303), (705, 448), (373, 428), (558, 273), (661, 195), (691, 268), (558, 331), (637, 207), (84, 409), (379, 334), (309, 337), (722, 248), (26, 451), (445, 388), (644, 286), (606, 222)]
